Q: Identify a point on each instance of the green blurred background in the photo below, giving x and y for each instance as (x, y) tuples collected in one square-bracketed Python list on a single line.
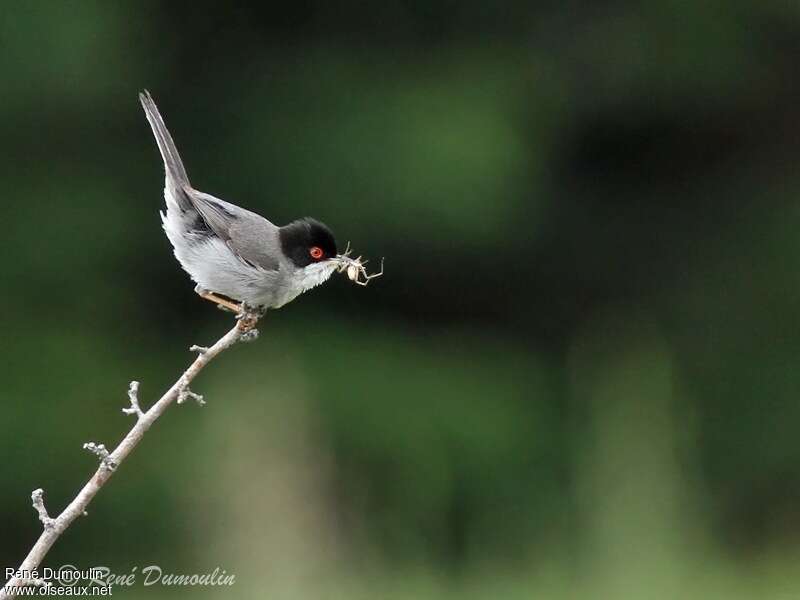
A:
[(579, 376)]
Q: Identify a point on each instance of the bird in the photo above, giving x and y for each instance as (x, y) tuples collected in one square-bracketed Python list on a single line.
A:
[(237, 258)]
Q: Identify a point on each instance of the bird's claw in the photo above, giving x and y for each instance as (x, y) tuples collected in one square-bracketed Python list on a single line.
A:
[(247, 318)]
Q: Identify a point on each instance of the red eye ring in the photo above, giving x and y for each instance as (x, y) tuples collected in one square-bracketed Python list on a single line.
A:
[(316, 252)]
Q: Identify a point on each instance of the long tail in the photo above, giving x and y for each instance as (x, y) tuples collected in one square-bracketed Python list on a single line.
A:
[(175, 173)]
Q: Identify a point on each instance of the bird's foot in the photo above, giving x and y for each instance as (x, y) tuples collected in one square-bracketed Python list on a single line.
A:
[(248, 317)]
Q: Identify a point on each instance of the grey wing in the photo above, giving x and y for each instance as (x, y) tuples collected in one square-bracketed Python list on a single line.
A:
[(217, 214), (251, 237)]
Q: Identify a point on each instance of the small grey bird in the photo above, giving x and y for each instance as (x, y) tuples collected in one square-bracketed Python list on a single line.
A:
[(234, 252)]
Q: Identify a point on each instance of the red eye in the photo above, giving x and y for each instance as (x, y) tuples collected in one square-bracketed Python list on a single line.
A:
[(316, 252)]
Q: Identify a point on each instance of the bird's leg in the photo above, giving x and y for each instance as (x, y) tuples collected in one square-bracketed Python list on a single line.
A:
[(218, 300)]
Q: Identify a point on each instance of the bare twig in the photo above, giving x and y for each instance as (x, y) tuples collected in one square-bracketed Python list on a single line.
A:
[(102, 453), (37, 497), (54, 527), (133, 396), (186, 393)]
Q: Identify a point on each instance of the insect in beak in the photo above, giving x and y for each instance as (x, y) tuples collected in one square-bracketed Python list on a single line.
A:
[(356, 271)]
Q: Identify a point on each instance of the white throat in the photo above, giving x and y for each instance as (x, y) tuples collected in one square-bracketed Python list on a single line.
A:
[(311, 276)]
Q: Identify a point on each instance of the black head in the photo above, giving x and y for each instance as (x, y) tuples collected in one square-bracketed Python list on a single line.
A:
[(307, 241)]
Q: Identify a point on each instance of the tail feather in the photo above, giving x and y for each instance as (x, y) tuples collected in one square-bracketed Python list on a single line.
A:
[(175, 172)]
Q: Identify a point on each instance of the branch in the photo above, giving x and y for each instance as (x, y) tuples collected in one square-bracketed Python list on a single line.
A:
[(133, 396), (38, 503), (110, 461)]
